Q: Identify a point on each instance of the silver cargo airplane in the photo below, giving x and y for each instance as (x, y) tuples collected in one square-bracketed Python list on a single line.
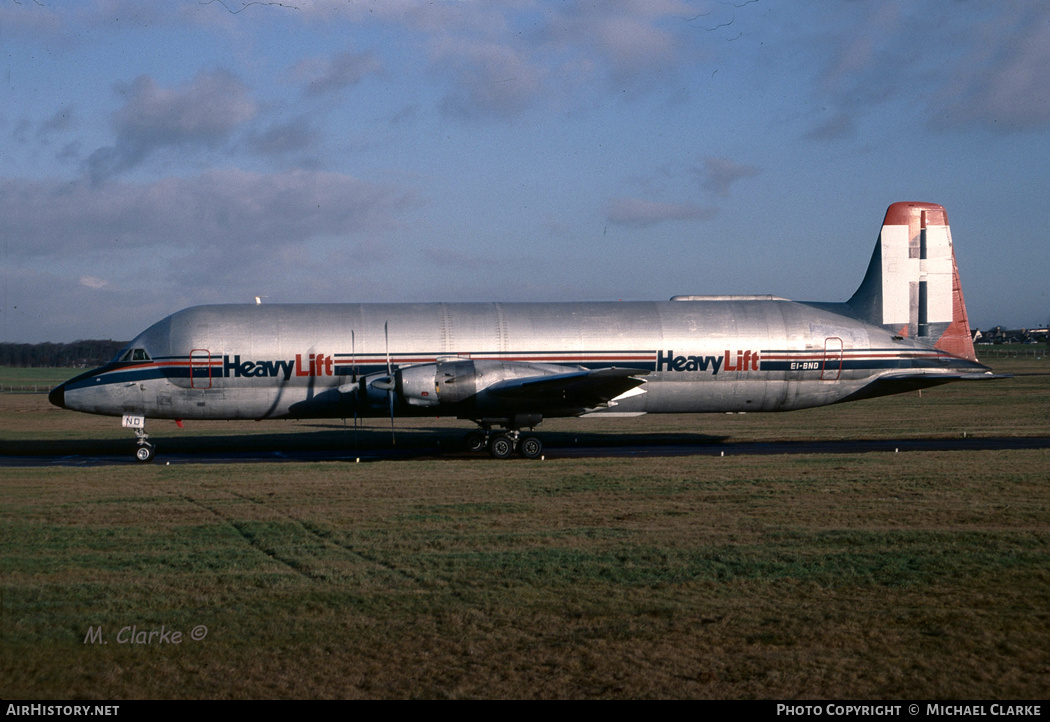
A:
[(507, 366)]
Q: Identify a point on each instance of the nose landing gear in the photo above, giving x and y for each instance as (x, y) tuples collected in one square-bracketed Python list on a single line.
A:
[(145, 451)]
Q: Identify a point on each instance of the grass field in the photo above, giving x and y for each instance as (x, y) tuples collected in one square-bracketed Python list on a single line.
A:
[(33, 380), (917, 575)]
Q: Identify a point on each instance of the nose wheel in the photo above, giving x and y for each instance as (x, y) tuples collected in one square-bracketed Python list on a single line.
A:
[(145, 452)]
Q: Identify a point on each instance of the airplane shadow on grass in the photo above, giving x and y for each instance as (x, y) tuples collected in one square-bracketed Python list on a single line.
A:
[(334, 441)]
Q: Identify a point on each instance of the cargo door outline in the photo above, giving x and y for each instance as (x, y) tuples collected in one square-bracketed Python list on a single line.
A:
[(200, 369), (831, 368)]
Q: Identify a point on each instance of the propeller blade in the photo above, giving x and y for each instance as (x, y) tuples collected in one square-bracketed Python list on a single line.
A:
[(389, 382), (353, 379)]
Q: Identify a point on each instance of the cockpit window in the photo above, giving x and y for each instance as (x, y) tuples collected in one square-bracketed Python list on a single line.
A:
[(136, 354)]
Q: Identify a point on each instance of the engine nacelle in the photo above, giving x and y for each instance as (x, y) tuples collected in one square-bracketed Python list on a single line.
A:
[(414, 385), (439, 384), (417, 385)]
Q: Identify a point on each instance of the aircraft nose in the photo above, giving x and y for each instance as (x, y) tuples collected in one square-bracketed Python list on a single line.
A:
[(58, 396)]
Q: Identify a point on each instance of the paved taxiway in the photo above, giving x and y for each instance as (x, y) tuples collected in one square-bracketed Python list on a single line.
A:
[(554, 452)]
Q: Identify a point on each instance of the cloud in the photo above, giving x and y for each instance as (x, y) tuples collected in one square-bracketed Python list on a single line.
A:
[(1004, 83), (232, 210), (122, 254), (62, 120), (640, 213), (449, 257), (717, 175), (68, 310), (283, 139), (341, 71), (500, 59), (982, 69), (490, 79), (92, 282), (628, 39), (838, 127), (202, 114)]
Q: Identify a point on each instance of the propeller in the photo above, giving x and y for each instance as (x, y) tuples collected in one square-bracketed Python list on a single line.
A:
[(353, 379), (390, 376), (354, 387), (387, 383)]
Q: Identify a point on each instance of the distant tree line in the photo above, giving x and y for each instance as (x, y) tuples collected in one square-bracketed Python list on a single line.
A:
[(76, 354)]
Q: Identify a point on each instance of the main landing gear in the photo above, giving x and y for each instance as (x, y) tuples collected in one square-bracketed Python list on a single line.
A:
[(503, 444)]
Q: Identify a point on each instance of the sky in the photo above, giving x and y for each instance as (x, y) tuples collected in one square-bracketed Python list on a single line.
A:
[(155, 156)]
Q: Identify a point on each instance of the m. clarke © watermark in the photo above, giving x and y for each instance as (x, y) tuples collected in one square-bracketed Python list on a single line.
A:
[(133, 635)]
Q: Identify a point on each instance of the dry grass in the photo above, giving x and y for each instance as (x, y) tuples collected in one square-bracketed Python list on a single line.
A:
[(919, 575)]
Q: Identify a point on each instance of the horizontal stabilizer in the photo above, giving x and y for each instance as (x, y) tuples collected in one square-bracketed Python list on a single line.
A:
[(898, 383)]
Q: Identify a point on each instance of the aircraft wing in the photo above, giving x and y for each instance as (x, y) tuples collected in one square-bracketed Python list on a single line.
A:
[(583, 389)]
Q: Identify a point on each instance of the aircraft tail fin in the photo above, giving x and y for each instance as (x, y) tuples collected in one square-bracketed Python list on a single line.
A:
[(912, 285)]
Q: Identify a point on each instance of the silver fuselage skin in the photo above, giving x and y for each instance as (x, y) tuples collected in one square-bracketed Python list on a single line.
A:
[(695, 356)]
